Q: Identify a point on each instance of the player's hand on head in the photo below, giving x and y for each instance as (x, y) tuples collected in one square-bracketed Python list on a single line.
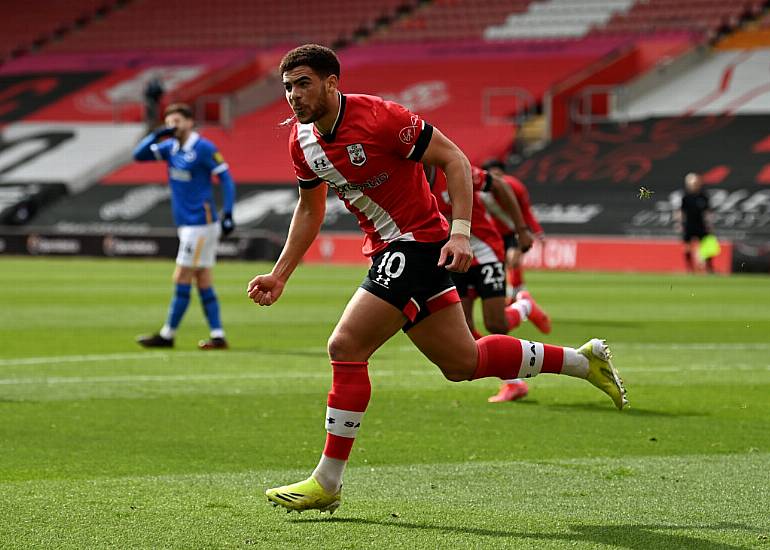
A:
[(228, 225), (264, 290), (164, 131), (456, 255)]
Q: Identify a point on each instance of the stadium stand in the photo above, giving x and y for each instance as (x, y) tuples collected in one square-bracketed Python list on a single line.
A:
[(561, 18), (731, 82), (24, 29), (450, 20), (755, 34), (471, 68), (705, 17), (144, 24)]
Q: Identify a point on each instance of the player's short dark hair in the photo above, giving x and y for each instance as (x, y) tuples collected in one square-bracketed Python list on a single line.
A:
[(494, 163), (181, 108), (321, 59)]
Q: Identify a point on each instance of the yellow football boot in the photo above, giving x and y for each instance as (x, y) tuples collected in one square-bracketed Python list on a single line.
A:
[(602, 373), (305, 495)]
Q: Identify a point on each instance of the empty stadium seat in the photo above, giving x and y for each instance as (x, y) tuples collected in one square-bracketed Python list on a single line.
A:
[(145, 24), (22, 29)]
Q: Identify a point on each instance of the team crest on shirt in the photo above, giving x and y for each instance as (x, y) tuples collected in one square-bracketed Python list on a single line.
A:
[(357, 154)]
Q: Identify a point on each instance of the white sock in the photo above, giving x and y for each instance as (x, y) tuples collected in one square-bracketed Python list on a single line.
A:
[(217, 333), (329, 473), (167, 332), (512, 380), (575, 364), (524, 307)]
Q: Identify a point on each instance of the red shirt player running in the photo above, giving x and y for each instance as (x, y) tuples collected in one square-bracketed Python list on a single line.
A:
[(506, 227), (368, 151), (486, 276)]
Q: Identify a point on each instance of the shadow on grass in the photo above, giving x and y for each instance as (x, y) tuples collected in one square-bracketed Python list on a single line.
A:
[(634, 537), (631, 411)]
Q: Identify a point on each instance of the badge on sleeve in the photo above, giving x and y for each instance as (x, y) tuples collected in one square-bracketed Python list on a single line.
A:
[(357, 154)]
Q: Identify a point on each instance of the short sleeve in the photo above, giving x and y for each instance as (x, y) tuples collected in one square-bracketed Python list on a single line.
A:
[(482, 180), (405, 133), (306, 178)]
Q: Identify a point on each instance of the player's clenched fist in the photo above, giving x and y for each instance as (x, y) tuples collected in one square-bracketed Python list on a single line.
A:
[(459, 250), (264, 290)]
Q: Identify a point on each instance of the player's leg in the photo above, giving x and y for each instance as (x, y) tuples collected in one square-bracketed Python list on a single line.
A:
[(708, 263), (445, 340), (689, 251), (189, 245), (496, 319), (367, 322), (511, 249), (204, 280), (467, 293), (515, 270)]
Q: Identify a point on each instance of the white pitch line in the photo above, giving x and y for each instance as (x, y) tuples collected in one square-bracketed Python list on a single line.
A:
[(189, 377), (164, 356), (133, 379), (95, 358)]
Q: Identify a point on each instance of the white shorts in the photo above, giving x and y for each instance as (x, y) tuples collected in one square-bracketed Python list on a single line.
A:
[(198, 245)]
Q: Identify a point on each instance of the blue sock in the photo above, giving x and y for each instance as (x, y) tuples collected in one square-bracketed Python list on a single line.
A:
[(178, 305), (211, 309)]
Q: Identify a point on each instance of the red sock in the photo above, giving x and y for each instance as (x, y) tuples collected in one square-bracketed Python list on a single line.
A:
[(512, 317), (347, 402), (517, 277), (507, 358)]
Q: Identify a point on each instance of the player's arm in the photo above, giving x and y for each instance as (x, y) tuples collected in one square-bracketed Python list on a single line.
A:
[(507, 199), (221, 170), (444, 154), (529, 217), (305, 225), (228, 200), (148, 148)]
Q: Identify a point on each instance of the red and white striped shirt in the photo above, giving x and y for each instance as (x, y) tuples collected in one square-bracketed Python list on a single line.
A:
[(371, 159), (503, 221), (486, 242)]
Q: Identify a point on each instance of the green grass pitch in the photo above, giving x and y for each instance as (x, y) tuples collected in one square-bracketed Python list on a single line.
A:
[(106, 445)]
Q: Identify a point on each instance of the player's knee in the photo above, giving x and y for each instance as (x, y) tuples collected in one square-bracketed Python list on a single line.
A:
[(341, 348)]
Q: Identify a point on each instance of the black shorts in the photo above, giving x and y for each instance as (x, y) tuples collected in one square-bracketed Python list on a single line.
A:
[(406, 276), (691, 233), (510, 240), (487, 279)]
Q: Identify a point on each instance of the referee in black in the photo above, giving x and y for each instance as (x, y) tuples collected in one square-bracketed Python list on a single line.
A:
[(693, 220)]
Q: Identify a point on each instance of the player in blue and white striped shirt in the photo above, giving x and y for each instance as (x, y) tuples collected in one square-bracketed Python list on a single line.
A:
[(192, 161)]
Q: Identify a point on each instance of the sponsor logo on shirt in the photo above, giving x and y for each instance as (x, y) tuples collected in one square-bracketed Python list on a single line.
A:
[(179, 174), (407, 133), (357, 154), (371, 183)]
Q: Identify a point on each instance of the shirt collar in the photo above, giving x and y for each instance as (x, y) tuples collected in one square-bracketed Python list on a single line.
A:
[(191, 141), (337, 122)]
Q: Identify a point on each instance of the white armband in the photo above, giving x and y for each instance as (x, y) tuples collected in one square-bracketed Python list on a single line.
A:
[(463, 227)]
